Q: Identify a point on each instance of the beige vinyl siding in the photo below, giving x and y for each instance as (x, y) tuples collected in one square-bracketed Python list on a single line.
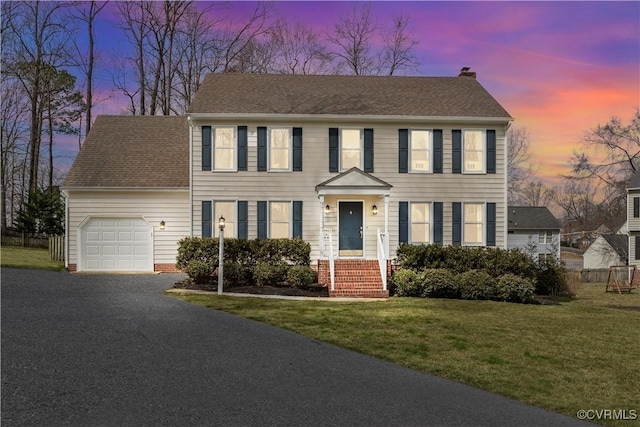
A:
[(278, 186), (633, 223), (153, 206)]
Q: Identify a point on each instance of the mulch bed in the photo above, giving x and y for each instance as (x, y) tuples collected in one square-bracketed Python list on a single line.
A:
[(311, 291)]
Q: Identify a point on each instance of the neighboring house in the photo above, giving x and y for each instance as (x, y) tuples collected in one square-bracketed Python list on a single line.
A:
[(353, 165), (535, 231), (633, 219), (607, 250)]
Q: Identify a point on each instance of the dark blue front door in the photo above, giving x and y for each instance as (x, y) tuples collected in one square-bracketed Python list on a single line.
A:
[(350, 218)]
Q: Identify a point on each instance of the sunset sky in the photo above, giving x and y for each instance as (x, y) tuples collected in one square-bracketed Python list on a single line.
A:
[(559, 68)]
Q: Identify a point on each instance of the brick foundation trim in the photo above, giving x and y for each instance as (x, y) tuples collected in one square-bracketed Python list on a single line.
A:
[(166, 268)]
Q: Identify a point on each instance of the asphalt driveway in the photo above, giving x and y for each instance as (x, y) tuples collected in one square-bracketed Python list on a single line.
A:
[(113, 350)]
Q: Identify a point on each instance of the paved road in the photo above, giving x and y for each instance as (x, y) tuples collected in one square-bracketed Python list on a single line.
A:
[(114, 350)]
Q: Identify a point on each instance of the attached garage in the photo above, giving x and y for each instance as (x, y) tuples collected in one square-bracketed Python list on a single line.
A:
[(127, 195), (116, 244)]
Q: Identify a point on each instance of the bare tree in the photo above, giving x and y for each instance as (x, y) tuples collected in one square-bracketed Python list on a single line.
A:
[(398, 50), (519, 168), (579, 202), (534, 193), (88, 12), (231, 42), (14, 135), (298, 50), (352, 37), (136, 29), (194, 54), (614, 155), (41, 35)]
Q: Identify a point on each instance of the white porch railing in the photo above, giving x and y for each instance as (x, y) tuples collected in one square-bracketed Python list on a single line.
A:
[(383, 255), (327, 251)]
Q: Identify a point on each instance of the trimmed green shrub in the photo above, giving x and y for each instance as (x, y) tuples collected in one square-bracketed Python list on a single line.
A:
[(551, 279), (476, 285), (459, 259), (196, 248), (438, 282), (514, 288), (200, 271), (236, 274), (407, 283), (300, 276), (265, 274)]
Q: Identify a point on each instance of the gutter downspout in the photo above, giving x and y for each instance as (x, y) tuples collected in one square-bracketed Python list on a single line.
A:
[(190, 176), (66, 229)]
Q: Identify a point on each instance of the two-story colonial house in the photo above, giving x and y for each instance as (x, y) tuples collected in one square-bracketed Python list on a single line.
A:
[(354, 165)]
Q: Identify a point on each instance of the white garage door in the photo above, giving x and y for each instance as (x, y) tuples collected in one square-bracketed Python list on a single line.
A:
[(116, 244)]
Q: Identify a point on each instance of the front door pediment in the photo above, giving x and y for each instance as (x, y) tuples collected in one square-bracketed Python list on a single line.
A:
[(354, 179)]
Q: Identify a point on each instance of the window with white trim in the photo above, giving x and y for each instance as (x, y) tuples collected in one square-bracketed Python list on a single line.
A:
[(280, 149), (473, 217), (228, 211), (280, 220), (224, 148), (545, 237), (421, 145), (420, 222), (350, 148), (473, 151)]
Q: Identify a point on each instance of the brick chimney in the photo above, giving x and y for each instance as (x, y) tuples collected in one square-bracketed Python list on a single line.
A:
[(465, 72)]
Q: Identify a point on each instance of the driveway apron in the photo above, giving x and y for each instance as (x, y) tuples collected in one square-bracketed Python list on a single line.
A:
[(114, 350)]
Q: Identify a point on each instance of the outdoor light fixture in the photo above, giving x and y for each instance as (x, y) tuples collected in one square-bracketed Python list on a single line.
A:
[(162, 224), (374, 210), (221, 223), (327, 209)]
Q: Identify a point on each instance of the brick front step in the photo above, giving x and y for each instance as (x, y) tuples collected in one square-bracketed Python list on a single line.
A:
[(359, 293), (353, 278)]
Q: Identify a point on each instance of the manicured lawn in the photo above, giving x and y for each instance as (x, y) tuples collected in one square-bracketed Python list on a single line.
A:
[(581, 354), (15, 256)]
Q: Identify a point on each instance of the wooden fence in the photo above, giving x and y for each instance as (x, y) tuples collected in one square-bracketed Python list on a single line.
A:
[(56, 248), (24, 240), (55, 244), (596, 275)]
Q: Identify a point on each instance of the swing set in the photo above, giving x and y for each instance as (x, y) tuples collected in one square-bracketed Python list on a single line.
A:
[(620, 279)]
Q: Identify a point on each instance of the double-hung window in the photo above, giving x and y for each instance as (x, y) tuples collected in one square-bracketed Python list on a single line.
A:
[(280, 220), (280, 149), (473, 217), (544, 237), (473, 156), (228, 211), (350, 148), (420, 222), (224, 149), (420, 152)]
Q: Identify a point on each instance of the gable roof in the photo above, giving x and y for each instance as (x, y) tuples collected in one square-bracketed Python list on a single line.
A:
[(231, 93), (133, 151), (353, 178), (619, 242), (532, 218), (634, 182)]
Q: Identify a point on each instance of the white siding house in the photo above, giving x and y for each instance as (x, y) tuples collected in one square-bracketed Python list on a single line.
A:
[(354, 165), (535, 231)]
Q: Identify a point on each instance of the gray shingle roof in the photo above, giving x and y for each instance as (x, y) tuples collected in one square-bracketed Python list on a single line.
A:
[(619, 242), (133, 151), (345, 95), (532, 218), (634, 182)]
